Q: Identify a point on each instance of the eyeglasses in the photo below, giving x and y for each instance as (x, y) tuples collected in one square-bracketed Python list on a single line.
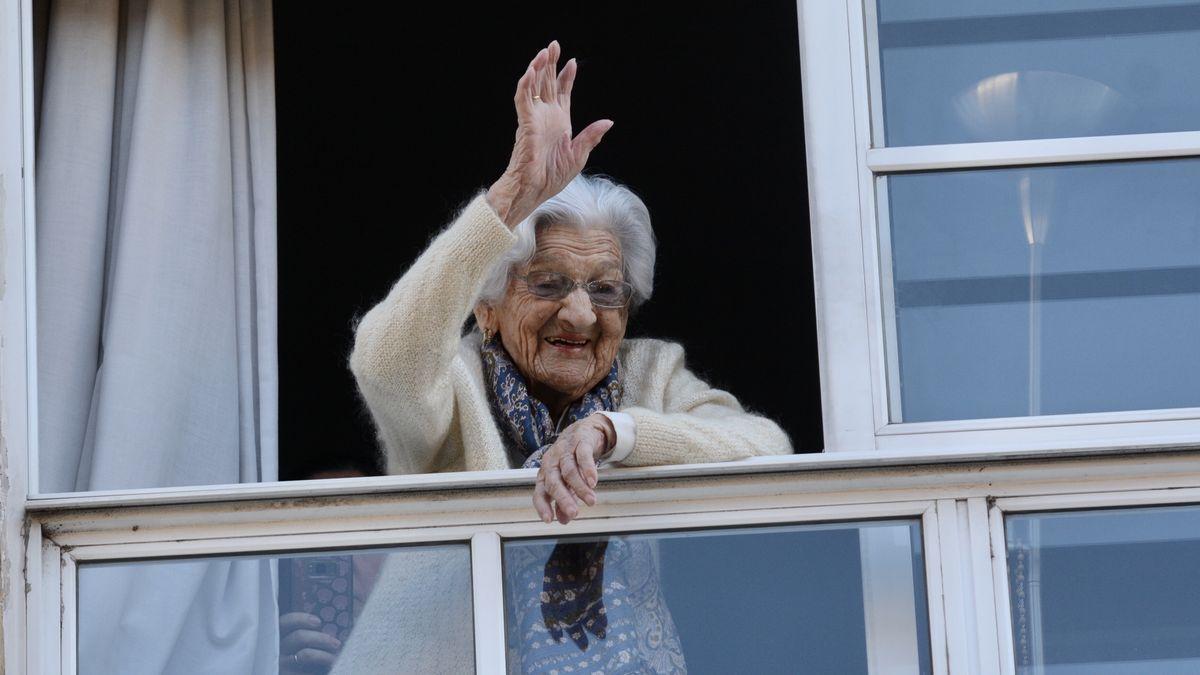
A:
[(605, 293)]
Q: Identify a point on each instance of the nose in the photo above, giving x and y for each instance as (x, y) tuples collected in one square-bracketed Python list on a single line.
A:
[(576, 312)]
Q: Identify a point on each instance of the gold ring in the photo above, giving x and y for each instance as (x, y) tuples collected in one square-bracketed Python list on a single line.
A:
[(536, 97)]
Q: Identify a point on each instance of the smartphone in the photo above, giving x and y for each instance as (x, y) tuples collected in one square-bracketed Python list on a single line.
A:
[(322, 586)]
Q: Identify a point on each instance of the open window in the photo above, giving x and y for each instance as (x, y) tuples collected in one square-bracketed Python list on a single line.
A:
[(971, 269)]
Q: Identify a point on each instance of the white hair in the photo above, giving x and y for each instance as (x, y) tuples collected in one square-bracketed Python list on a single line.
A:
[(586, 202)]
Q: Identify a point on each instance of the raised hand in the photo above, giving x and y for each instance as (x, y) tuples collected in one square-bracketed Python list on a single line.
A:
[(545, 156)]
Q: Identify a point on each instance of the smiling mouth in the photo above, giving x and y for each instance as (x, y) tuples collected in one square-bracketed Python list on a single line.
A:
[(564, 343)]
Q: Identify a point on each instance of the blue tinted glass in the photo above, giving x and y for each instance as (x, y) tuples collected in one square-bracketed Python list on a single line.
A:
[(402, 609), (958, 71), (845, 598), (1106, 591), (1050, 290)]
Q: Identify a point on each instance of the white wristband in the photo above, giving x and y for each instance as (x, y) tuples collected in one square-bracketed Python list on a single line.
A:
[(626, 430)]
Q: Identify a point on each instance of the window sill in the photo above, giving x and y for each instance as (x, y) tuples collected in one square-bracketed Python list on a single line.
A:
[(937, 466)]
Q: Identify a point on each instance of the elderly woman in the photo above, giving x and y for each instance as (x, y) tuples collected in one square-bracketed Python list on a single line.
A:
[(551, 263)]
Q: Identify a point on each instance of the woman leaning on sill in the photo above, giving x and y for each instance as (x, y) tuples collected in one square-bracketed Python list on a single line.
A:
[(551, 285), (551, 263)]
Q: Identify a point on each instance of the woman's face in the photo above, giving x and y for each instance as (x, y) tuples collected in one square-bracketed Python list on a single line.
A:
[(563, 347)]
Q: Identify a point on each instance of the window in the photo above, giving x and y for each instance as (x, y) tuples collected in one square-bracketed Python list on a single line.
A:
[(1106, 586), (839, 596), (428, 586), (1004, 182), (361, 204), (245, 377), (1049, 290), (1113, 589)]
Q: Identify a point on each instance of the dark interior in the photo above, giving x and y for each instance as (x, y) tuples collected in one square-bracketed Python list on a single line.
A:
[(389, 121)]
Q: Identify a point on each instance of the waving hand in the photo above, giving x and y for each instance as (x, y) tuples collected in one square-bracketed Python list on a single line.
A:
[(545, 156)]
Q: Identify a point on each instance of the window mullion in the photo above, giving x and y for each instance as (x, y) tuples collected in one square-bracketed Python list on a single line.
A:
[(1004, 634), (954, 604), (968, 585), (487, 589), (46, 603), (934, 591), (1033, 152), (982, 583), (835, 172), (69, 614)]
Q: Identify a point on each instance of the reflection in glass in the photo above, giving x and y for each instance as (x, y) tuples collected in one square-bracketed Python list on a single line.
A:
[(957, 72), (1097, 592), (385, 610), (1045, 290), (845, 598)]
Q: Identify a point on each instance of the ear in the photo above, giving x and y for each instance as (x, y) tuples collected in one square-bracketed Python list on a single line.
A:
[(485, 317)]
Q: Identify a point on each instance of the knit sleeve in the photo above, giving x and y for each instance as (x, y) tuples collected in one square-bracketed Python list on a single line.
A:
[(680, 419), (404, 347)]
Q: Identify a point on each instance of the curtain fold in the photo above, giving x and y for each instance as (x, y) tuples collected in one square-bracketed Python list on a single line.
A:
[(156, 245), (156, 302)]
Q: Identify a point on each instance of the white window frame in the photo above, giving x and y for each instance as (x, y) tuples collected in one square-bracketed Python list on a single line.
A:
[(845, 169), (18, 402)]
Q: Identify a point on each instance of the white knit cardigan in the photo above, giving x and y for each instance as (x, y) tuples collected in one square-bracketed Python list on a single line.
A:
[(424, 384)]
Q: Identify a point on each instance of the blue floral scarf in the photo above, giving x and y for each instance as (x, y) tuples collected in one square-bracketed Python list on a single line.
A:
[(528, 428), (601, 618)]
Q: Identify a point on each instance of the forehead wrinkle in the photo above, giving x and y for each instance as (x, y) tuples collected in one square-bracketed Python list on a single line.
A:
[(576, 249)]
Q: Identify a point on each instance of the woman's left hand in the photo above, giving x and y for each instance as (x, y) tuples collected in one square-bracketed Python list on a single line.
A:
[(568, 474)]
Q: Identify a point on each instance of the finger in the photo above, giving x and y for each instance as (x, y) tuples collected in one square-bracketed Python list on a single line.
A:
[(585, 457), (574, 477), (315, 660), (552, 73), (297, 620), (561, 514), (541, 502), (545, 76), (588, 139), (533, 63), (538, 65), (308, 639), (566, 82), (523, 98), (564, 501)]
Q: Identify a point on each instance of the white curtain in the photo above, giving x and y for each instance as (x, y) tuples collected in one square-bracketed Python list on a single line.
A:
[(156, 245), (156, 302)]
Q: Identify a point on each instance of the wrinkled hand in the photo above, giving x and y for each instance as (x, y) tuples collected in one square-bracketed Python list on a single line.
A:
[(303, 648), (544, 157), (568, 474)]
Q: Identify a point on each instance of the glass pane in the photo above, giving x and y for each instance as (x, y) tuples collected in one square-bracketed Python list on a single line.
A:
[(957, 71), (1101, 592), (844, 598), (383, 610), (1050, 290)]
